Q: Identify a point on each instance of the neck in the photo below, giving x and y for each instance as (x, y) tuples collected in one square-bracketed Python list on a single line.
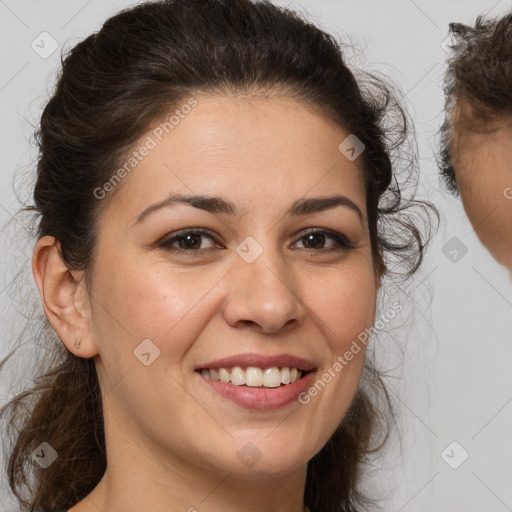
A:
[(206, 490)]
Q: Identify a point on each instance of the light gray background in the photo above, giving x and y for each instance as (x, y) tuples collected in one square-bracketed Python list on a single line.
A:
[(456, 383)]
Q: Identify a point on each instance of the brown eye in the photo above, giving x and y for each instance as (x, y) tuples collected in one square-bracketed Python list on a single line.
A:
[(190, 241), (187, 241), (314, 240)]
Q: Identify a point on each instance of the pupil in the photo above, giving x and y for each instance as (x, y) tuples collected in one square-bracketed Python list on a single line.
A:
[(313, 236), (186, 239)]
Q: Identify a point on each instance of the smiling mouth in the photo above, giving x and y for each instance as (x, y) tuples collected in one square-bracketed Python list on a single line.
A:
[(254, 377)]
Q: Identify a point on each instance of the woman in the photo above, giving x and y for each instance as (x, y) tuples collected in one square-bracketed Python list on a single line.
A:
[(218, 208)]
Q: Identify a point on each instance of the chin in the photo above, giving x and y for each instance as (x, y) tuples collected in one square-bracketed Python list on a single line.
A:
[(503, 255), (256, 461), (504, 259), (276, 466), (493, 242)]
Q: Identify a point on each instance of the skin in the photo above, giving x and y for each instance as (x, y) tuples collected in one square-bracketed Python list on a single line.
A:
[(172, 442), (482, 158)]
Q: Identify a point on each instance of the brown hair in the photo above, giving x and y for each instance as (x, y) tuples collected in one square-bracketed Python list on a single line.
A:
[(478, 79), (113, 85)]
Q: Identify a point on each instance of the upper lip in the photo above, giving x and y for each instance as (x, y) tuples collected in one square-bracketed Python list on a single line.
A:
[(259, 361)]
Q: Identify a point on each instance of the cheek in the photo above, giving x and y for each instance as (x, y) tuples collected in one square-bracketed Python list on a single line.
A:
[(483, 172), (345, 310), (158, 303), (344, 304), (347, 316), (480, 194), (485, 201)]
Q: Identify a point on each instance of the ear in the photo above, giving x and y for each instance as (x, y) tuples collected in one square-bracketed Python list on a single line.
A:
[(65, 299)]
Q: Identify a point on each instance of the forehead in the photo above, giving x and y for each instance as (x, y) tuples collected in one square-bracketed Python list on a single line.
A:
[(267, 150), (472, 119), (474, 135), (480, 149)]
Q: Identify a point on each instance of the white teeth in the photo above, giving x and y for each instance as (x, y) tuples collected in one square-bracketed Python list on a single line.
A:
[(253, 377), (237, 376), (224, 375), (271, 377)]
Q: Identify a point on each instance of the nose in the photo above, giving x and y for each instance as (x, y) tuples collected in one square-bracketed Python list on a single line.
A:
[(261, 296)]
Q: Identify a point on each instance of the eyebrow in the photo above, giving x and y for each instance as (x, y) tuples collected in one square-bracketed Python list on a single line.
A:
[(218, 205)]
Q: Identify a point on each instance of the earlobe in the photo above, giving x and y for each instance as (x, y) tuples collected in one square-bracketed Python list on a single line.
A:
[(63, 298)]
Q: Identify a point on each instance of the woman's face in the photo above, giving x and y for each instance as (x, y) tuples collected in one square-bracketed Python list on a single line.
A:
[(254, 287)]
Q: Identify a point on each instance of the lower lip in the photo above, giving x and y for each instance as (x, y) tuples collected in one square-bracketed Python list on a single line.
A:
[(263, 399)]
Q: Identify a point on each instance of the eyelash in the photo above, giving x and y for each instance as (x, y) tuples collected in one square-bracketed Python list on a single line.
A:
[(341, 240)]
